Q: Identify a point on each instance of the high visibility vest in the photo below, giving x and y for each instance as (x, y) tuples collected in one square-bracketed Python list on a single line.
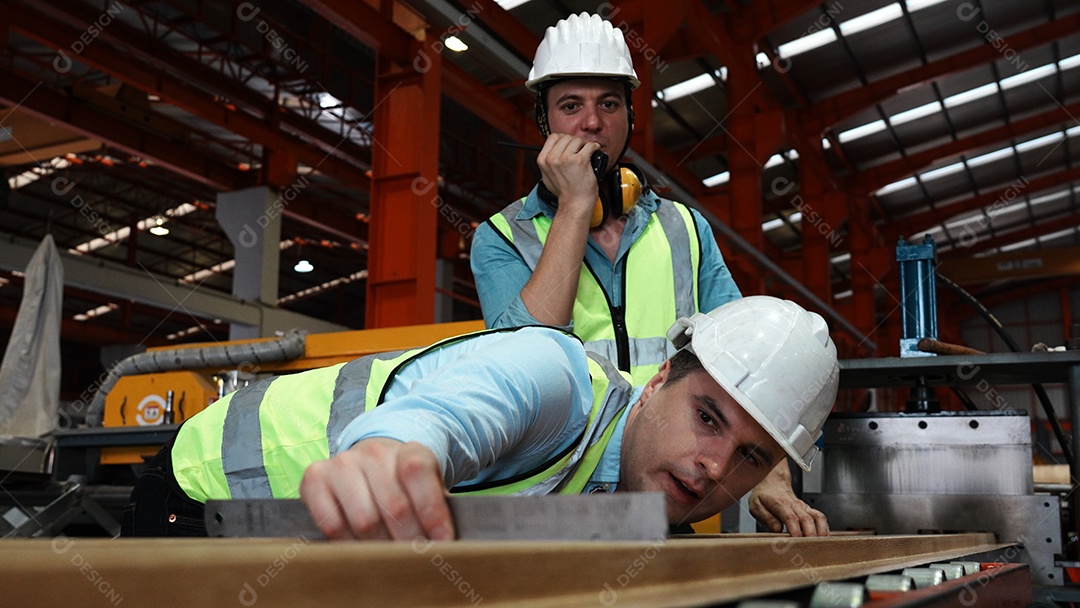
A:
[(257, 442), (660, 274)]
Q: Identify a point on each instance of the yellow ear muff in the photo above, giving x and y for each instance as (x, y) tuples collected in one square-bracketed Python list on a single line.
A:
[(630, 189), (630, 185)]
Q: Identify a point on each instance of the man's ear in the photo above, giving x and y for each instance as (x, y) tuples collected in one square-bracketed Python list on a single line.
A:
[(656, 381)]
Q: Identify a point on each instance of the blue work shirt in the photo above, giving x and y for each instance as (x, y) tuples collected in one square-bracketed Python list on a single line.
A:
[(500, 273), (493, 406)]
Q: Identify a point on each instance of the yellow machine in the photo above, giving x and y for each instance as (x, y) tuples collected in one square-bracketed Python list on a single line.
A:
[(142, 400)]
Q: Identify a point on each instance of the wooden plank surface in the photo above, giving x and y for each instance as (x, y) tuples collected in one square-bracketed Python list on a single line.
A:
[(266, 573)]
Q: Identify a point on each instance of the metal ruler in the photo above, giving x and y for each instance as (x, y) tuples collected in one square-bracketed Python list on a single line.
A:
[(623, 516)]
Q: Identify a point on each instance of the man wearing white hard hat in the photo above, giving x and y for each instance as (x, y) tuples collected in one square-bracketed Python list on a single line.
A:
[(752, 382), (606, 258), (373, 446)]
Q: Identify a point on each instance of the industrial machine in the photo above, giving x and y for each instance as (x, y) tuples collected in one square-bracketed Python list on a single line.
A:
[(928, 471), (954, 487)]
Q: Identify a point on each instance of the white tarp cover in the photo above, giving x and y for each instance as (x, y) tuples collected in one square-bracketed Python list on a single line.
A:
[(30, 372)]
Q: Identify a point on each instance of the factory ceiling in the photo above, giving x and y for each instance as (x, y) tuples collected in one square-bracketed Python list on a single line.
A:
[(821, 131)]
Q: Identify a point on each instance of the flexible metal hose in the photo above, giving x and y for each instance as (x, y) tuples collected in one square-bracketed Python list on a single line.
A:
[(288, 347)]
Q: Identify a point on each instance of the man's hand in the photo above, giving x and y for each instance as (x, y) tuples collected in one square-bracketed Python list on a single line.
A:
[(379, 489), (566, 169), (774, 504)]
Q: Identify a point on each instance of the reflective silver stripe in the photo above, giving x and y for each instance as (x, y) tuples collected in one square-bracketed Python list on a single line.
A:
[(678, 236), (523, 234), (350, 395), (616, 397), (643, 351), (241, 444)]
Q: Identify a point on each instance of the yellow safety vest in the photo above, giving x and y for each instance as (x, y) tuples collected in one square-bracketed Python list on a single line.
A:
[(661, 277), (258, 441)]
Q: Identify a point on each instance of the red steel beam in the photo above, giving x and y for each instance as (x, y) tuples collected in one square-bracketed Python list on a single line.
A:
[(718, 40), (92, 121), (151, 80), (874, 178), (985, 244), (1013, 265), (153, 52), (498, 112), (817, 118), (706, 148), (370, 27), (404, 205), (505, 26), (764, 16), (915, 223)]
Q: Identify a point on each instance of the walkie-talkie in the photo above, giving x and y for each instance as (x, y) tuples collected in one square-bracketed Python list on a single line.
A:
[(618, 192)]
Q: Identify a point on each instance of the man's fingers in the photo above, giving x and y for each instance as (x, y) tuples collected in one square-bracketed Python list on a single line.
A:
[(806, 521), (420, 476), (364, 518), (320, 501), (764, 515)]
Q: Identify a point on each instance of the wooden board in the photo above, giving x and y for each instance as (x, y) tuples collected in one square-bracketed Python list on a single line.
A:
[(249, 572)]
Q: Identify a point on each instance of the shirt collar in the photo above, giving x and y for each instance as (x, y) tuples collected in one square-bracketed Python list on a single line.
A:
[(533, 207), (607, 470)]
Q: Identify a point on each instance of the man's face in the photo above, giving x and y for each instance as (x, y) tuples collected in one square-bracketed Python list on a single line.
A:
[(693, 442), (593, 109)]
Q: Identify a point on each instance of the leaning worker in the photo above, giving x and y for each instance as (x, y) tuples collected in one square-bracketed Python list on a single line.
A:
[(618, 272), (373, 445)]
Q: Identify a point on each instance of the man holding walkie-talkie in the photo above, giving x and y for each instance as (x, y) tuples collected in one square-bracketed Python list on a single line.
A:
[(591, 249)]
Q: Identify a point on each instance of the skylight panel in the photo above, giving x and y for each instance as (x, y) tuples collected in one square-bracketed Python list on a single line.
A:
[(1029, 76), (990, 157), (687, 87), (942, 172), (509, 4), (716, 180), (806, 43), (915, 5), (971, 95), (772, 224), (915, 113), (907, 182), (871, 19), (1039, 142), (863, 131), (1020, 245), (1069, 62)]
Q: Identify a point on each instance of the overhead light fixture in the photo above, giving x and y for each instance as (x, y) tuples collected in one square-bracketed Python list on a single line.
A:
[(159, 229), (303, 266), (455, 44)]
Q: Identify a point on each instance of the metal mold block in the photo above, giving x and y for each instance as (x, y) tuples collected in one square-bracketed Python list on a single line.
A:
[(928, 454)]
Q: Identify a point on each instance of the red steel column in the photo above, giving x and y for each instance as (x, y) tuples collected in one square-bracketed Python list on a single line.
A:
[(404, 193)]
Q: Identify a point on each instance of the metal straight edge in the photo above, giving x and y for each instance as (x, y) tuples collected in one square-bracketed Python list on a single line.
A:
[(628, 516)]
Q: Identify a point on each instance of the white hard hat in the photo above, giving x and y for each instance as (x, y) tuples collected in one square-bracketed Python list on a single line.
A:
[(582, 46), (775, 359)]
